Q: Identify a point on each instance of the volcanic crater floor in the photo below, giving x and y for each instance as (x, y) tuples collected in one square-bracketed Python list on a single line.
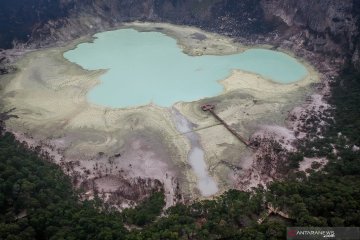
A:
[(106, 149)]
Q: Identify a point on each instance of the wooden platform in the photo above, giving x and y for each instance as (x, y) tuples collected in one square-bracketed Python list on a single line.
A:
[(210, 108)]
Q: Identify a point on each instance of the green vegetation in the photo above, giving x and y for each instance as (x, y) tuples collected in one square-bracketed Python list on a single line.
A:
[(147, 212), (346, 98), (201, 220), (37, 201), (330, 197)]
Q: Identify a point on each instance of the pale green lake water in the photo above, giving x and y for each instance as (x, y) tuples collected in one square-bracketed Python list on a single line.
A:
[(146, 67)]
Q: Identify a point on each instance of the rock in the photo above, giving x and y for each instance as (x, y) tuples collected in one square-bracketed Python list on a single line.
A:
[(327, 26)]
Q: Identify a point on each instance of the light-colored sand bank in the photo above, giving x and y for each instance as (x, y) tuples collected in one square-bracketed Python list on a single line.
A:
[(193, 41), (249, 103), (109, 146), (49, 94)]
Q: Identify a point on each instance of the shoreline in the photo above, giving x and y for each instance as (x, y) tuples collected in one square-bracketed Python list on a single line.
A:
[(113, 116)]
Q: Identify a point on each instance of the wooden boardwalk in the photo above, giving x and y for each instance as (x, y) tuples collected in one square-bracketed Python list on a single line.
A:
[(210, 108)]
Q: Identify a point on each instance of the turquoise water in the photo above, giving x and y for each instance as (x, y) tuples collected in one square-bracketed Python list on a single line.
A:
[(145, 67)]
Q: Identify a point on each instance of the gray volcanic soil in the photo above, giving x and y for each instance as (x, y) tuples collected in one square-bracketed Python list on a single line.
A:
[(323, 38)]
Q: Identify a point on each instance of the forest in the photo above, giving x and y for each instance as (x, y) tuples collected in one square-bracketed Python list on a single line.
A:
[(37, 200)]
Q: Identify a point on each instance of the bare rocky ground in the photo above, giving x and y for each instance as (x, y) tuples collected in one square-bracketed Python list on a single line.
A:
[(274, 143), (122, 180), (119, 186)]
